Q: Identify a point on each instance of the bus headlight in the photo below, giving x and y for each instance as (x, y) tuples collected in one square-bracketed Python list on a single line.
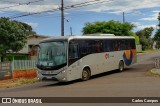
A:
[(64, 79), (63, 71)]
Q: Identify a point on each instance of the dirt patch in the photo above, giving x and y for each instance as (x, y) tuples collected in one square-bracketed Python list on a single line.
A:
[(26, 73), (16, 82)]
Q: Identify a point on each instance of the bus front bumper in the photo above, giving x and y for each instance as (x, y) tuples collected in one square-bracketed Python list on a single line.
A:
[(60, 77)]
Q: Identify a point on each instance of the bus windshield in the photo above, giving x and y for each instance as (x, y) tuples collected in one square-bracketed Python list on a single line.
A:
[(52, 55)]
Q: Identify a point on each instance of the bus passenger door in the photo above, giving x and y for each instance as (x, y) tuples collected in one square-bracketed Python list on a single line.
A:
[(73, 61)]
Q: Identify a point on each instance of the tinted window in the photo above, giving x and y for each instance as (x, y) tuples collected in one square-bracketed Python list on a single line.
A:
[(123, 44), (73, 51), (130, 44), (117, 44), (133, 44)]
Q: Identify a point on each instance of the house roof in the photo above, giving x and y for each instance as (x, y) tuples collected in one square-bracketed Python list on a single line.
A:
[(42, 36)]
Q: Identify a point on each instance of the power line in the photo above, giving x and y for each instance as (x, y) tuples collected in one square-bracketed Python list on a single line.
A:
[(62, 11), (53, 10), (8, 1), (67, 7), (19, 4), (85, 4), (82, 3)]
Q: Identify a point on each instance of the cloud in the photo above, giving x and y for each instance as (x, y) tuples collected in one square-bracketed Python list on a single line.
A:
[(119, 6), (144, 26), (112, 6), (29, 8), (152, 17), (34, 25), (140, 26)]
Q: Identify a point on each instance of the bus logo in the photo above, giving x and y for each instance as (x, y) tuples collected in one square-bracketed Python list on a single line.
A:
[(106, 56), (127, 56)]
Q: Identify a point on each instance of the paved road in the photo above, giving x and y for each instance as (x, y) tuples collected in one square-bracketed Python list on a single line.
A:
[(133, 82)]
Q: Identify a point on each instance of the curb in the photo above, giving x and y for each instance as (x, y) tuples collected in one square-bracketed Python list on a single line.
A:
[(155, 71)]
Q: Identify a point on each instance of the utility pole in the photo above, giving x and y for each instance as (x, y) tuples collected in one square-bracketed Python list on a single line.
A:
[(123, 18), (62, 18), (71, 30)]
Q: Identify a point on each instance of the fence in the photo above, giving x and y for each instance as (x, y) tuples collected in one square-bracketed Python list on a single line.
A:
[(23, 64), (157, 63)]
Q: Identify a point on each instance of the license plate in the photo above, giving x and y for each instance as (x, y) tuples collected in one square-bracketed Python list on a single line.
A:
[(49, 77), (49, 72)]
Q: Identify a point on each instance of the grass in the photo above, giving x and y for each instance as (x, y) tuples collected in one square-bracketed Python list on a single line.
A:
[(16, 82)]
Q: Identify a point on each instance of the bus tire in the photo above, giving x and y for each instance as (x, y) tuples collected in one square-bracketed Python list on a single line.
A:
[(121, 66), (86, 74)]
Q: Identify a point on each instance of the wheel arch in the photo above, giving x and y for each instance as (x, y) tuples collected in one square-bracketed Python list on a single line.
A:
[(87, 66), (121, 60)]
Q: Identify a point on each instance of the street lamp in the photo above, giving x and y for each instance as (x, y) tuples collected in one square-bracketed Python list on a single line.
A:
[(70, 27), (71, 31)]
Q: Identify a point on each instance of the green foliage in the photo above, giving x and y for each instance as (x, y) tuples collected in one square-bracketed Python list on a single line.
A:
[(110, 27), (147, 32), (157, 38), (13, 35), (158, 17), (145, 38), (136, 38), (158, 44), (143, 42), (157, 35), (28, 28)]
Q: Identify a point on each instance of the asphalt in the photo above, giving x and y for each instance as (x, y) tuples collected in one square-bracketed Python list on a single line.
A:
[(135, 81)]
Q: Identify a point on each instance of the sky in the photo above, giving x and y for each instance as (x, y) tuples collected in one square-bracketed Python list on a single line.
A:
[(142, 13)]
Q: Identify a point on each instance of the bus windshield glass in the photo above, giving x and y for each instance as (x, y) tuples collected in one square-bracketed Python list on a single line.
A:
[(52, 55)]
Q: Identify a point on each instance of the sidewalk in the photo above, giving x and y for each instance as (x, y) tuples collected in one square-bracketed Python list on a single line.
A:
[(155, 71)]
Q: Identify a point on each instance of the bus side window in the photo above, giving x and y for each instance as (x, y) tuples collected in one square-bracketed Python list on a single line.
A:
[(116, 45), (98, 46), (109, 45), (73, 51), (106, 46), (133, 44), (123, 45), (128, 45)]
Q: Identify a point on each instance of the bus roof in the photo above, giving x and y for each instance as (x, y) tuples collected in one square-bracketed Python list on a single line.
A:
[(86, 37)]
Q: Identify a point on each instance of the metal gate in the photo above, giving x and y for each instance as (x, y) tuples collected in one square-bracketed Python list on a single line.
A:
[(5, 70), (157, 63)]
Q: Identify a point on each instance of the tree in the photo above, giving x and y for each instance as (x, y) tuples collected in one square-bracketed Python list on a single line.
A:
[(148, 32), (157, 34), (13, 36), (145, 37), (157, 38), (111, 27), (159, 19), (136, 38)]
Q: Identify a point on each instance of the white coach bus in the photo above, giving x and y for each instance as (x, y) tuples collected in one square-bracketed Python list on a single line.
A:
[(69, 58)]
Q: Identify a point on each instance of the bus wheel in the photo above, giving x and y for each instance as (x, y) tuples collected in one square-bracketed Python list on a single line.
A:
[(85, 74), (121, 66)]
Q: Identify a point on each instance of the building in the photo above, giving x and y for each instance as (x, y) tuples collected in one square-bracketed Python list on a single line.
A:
[(29, 51)]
